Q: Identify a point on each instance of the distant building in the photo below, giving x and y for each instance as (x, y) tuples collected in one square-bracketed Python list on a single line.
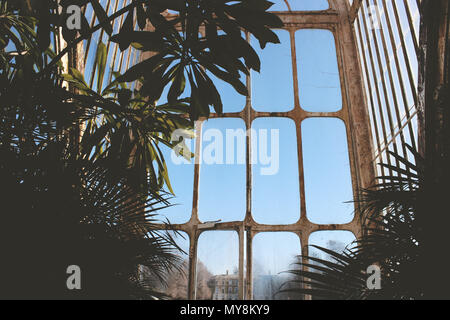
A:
[(224, 287), (265, 287)]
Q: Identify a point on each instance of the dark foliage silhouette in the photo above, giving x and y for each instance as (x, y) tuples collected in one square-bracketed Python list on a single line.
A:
[(81, 169), (392, 240)]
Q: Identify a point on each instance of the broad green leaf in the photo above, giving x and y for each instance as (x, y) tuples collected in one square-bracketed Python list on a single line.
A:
[(101, 59), (78, 75), (178, 85)]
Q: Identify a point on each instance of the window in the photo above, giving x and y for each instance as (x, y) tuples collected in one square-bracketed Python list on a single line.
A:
[(273, 253), (387, 41), (279, 165), (223, 170), (330, 93), (327, 171), (272, 88), (319, 80), (217, 255), (337, 241), (276, 191)]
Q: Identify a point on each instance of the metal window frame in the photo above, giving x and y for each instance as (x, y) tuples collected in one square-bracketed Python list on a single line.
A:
[(380, 53), (354, 113)]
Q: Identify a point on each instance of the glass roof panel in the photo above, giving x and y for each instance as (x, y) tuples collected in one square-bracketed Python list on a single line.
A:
[(299, 5)]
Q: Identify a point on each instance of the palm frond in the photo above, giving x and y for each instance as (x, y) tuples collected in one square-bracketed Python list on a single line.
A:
[(391, 240)]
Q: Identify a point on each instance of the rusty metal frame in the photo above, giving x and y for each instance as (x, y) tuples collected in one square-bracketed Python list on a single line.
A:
[(354, 113), (382, 54)]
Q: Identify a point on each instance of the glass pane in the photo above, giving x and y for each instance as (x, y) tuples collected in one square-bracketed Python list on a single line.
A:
[(222, 177), (273, 253), (275, 193), (176, 286), (217, 265), (319, 81), (299, 5), (181, 176), (272, 88), (328, 183), (411, 58), (232, 101), (337, 241)]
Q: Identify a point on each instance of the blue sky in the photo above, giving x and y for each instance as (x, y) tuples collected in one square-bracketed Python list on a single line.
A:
[(279, 5)]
